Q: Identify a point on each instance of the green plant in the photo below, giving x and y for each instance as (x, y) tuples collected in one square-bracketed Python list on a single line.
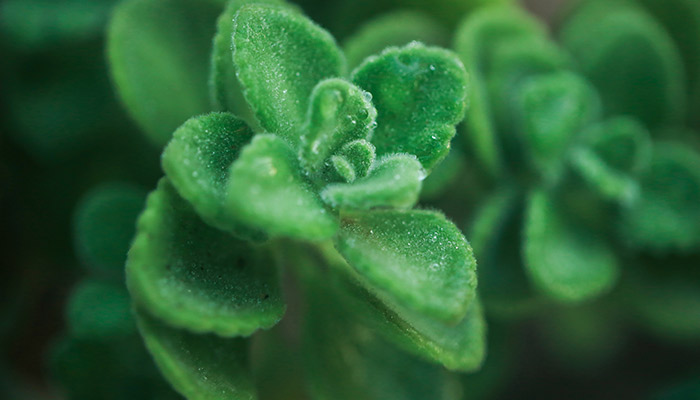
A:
[(317, 171)]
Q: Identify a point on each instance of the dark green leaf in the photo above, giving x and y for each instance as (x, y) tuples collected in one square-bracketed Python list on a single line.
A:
[(629, 58), (99, 310), (197, 277), (553, 108), (610, 154), (394, 181), (414, 259), (280, 56), (347, 360), (420, 93), (667, 213), (479, 34), (197, 162), (565, 260), (104, 224), (198, 366), (339, 112), (266, 190), (158, 52), (393, 29)]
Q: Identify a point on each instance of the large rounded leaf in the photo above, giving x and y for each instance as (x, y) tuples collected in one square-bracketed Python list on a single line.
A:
[(415, 259), (565, 260), (280, 56), (197, 277), (198, 366), (420, 93), (158, 53)]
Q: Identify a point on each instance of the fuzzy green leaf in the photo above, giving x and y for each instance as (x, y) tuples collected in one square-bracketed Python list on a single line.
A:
[(610, 154), (667, 213), (477, 37), (375, 371), (197, 277), (197, 162), (160, 72), (394, 181), (415, 259), (267, 191), (420, 93), (460, 347), (198, 366), (99, 310), (553, 108), (564, 260), (225, 90), (339, 112), (357, 156), (629, 58), (393, 29), (280, 56), (104, 224)]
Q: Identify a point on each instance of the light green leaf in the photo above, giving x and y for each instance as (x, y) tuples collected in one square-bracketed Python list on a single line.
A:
[(266, 190), (104, 224), (99, 310), (667, 213), (339, 112), (564, 260), (197, 162), (198, 366), (196, 277), (630, 59), (280, 56), (347, 360), (158, 52), (394, 181), (357, 156), (553, 108), (420, 93), (414, 259), (478, 35), (397, 28), (225, 90), (610, 154)]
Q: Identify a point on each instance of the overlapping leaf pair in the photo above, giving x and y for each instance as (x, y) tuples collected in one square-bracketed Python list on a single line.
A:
[(332, 162), (593, 173)]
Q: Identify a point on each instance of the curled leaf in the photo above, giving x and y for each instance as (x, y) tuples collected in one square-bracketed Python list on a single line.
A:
[(196, 277), (266, 190)]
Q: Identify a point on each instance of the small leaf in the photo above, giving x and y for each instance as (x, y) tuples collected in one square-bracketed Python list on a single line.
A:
[(266, 190), (197, 162), (161, 72), (343, 169), (201, 367), (357, 156), (610, 154), (479, 34), (420, 93), (225, 90), (376, 370), (630, 59), (104, 224), (339, 112), (280, 56), (564, 260), (99, 310), (196, 277), (552, 109), (394, 181), (415, 259), (397, 28), (667, 214)]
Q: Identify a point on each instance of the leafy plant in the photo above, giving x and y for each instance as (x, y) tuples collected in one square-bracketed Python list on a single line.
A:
[(318, 170)]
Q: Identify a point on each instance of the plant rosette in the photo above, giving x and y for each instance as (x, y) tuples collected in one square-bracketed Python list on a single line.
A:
[(326, 163)]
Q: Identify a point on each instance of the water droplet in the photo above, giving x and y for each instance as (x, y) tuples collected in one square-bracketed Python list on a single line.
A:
[(432, 67)]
